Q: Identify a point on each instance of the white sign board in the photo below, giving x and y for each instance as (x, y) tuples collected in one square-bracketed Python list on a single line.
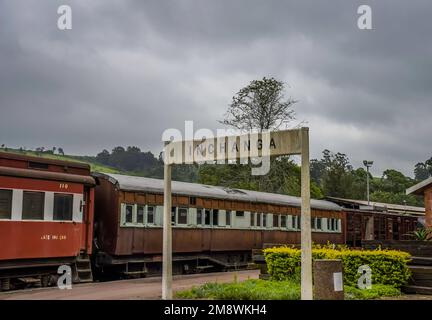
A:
[(274, 143)]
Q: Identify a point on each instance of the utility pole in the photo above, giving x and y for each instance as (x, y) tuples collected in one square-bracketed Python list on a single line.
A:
[(367, 164)]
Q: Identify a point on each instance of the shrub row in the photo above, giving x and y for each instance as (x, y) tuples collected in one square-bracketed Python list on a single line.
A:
[(389, 267)]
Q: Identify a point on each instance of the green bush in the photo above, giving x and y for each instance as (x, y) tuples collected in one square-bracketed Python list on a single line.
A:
[(389, 267)]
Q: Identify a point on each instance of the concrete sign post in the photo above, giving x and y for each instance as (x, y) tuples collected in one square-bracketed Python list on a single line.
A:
[(167, 237), (306, 234), (253, 145)]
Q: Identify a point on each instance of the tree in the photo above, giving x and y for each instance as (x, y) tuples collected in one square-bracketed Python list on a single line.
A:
[(423, 170), (260, 105), (337, 178)]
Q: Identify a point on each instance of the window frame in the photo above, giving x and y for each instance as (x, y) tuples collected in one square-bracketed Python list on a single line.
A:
[(153, 214), (68, 195), (10, 191), (138, 206), (27, 192), (178, 216)]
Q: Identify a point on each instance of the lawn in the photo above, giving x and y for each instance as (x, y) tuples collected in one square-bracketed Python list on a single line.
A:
[(274, 290)]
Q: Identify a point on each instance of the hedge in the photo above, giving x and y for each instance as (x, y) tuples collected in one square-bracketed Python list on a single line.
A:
[(389, 267)]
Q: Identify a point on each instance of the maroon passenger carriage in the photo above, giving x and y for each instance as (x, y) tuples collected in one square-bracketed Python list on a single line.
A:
[(214, 228)]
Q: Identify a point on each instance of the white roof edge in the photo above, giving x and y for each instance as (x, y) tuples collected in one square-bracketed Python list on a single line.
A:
[(135, 183), (419, 186)]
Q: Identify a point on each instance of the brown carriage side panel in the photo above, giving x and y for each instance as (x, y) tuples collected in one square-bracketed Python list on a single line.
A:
[(200, 202), (214, 204), (124, 241), (182, 201), (129, 197), (138, 240), (140, 198), (153, 241), (106, 215), (151, 198), (207, 203), (232, 240), (159, 199), (187, 240)]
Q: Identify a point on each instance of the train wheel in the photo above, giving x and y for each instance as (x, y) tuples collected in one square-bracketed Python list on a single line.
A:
[(45, 281)]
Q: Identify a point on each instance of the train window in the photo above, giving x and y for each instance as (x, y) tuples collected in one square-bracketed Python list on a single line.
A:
[(331, 224), (129, 213), (140, 214), (319, 223), (207, 219), (192, 201), (313, 223), (5, 204), (239, 213), (38, 165), (199, 217), (258, 219), (228, 218), (275, 221), (283, 220), (264, 220), (294, 222), (252, 219), (299, 222), (215, 217), (33, 205), (150, 214), (182, 216), (63, 207), (173, 215)]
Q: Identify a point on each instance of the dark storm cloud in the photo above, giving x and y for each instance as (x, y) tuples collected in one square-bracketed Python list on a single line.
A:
[(130, 69)]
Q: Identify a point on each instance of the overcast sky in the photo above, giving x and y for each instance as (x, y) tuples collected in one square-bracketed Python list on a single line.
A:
[(128, 70)]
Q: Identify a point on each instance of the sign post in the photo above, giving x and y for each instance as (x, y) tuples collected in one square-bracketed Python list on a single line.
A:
[(167, 237), (306, 233), (253, 145)]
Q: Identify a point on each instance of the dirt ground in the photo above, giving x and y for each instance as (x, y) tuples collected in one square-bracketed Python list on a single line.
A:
[(139, 289), (142, 289)]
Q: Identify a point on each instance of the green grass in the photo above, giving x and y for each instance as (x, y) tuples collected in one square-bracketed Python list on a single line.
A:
[(377, 291), (274, 290), (246, 290)]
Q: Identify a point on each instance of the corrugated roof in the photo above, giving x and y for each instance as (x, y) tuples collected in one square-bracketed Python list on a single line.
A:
[(381, 206), (419, 187), (132, 183)]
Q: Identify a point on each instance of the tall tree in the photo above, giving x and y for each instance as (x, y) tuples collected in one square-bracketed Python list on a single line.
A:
[(260, 105)]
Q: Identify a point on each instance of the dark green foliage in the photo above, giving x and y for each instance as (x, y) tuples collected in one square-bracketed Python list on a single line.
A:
[(389, 267), (283, 178)]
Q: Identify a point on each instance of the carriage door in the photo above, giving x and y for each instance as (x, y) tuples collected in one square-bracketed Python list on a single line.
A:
[(86, 216)]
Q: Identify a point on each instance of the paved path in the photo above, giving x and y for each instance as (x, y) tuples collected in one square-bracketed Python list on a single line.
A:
[(146, 288)]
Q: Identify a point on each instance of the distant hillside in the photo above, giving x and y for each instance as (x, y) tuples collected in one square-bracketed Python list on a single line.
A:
[(130, 161)]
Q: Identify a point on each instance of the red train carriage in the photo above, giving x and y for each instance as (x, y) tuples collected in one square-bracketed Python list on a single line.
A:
[(214, 227), (46, 219)]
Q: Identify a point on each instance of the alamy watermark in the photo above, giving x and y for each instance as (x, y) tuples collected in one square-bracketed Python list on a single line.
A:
[(205, 146), (65, 279)]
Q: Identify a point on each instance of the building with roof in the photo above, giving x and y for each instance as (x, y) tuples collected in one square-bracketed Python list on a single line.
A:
[(424, 188)]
